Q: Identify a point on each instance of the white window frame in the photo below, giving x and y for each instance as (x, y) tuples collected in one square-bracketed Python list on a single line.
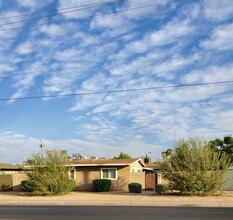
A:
[(69, 173), (108, 168)]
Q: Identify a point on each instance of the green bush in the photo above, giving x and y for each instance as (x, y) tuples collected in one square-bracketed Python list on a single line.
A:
[(27, 186), (49, 174), (135, 187), (71, 185), (160, 188), (195, 168), (102, 185)]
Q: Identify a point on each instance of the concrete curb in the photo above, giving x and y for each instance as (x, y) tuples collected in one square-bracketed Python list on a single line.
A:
[(120, 199), (119, 203)]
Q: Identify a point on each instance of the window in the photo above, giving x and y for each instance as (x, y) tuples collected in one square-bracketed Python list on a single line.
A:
[(109, 173), (72, 174), (136, 170)]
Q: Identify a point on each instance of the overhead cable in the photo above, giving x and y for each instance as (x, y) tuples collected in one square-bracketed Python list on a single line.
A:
[(119, 91)]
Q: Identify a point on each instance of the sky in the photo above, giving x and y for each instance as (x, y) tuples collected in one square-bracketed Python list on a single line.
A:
[(148, 47)]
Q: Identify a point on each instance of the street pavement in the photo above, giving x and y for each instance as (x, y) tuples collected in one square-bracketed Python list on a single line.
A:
[(113, 212), (118, 199)]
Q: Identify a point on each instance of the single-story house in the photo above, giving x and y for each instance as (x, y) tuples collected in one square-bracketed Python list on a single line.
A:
[(11, 177), (121, 172)]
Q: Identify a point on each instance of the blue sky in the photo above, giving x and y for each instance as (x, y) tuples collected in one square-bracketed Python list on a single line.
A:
[(57, 53)]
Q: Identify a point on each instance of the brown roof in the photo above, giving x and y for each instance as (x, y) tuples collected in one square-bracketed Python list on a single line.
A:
[(115, 162), (5, 166), (153, 165)]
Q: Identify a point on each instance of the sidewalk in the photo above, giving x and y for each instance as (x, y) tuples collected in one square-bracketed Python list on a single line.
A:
[(117, 199)]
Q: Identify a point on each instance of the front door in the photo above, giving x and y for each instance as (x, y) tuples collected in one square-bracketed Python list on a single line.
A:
[(150, 181)]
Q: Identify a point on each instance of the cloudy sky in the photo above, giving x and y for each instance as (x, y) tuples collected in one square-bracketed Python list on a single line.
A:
[(61, 47)]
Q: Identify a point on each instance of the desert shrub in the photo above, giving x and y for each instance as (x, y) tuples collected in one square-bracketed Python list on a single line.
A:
[(50, 174), (161, 188), (71, 185), (27, 186), (102, 185), (194, 168), (135, 187)]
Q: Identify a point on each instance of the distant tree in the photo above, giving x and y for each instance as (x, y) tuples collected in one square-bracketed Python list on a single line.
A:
[(225, 145), (122, 156), (167, 153), (195, 168), (147, 158), (49, 174)]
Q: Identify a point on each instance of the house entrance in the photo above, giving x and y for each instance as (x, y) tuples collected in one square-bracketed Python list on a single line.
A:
[(150, 181)]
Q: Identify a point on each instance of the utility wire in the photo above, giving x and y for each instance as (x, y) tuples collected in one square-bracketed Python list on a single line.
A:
[(51, 11), (56, 14), (92, 16), (119, 91)]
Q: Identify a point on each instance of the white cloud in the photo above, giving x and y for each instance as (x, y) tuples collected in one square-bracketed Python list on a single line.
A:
[(210, 74), (80, 12), (10, 142), (221, 121), (221, 38), (152, 11), (33, 4), (170, 33), (25, 48), (219, 10), (25, 81), (111, 21), (52, 30)]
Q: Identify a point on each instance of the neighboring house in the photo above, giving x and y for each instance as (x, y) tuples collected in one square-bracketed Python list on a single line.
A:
[(11, 177), (9, 168), (229, 179), (121, 172)]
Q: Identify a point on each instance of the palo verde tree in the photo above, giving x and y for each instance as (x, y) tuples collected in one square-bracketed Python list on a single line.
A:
[(49, 174), (194, 168)]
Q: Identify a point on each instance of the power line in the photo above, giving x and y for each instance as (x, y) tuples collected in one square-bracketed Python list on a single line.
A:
[(50, 11), (118, 91), (66, 12), (92, 16)]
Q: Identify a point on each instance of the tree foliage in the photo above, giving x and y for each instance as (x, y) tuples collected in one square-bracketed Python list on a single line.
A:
[(122, 156), (49, 175), (225, 145), (195, 168)]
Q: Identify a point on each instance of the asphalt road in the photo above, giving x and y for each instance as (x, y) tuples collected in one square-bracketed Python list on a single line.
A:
[(112, 212)]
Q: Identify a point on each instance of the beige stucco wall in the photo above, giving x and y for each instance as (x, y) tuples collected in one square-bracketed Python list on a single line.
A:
[(12, 181), (6, 181), (138, 178), (85, 176), (136, 166), (229, 180), (17, 179)]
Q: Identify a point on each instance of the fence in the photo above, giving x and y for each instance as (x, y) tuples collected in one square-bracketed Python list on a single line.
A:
[(11, 182)]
